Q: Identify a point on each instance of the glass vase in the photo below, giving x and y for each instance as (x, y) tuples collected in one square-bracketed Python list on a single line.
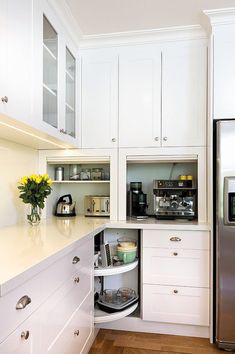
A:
[(34, 216)]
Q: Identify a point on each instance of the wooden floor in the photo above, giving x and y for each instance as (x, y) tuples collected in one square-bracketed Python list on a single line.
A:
[(121, 342)]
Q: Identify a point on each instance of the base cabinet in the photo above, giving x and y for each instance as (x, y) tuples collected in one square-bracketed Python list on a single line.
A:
[(61, 320), (173, 304), (176, 276)]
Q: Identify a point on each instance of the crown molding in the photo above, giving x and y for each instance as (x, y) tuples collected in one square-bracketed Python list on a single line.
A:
[(64, 13), (218, 17), (145, 36)]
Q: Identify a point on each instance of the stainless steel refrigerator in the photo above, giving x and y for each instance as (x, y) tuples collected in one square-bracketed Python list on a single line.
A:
[(225, 234)]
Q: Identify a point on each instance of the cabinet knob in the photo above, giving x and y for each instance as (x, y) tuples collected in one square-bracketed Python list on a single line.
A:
[(4, 99), (156, 138), (76, 333), (63, 131), (164, 138), (175, 239), (114, 140), (175, 254), (175, 291), (24, 335), (23, 302), (76, 280), (75, 260)]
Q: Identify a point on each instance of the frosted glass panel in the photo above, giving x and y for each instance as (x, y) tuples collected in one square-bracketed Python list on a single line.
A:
[(50, 73), (70, 93)]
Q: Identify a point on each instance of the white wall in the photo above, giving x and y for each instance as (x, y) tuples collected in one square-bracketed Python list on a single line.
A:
[(16, 161)]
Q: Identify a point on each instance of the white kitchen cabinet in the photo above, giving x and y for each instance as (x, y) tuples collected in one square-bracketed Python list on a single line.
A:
[(16, 59), (184, 93), (175, 278), (173, 304), (224, 71), (99, 98), (140, 96), (55, 101), (61, 303)]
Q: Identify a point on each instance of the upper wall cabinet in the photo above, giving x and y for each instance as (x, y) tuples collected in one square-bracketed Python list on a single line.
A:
[(140, 96), (224, 71), (184, 93), (56, 70), (99, 98), (153, 95), (16, 59)]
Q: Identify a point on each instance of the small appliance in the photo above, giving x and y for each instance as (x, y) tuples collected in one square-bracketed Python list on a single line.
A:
[(98, 205), (175, 199), (65, 206), (136, 201)]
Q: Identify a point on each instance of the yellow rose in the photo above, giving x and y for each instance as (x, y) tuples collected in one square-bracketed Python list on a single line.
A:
[(33, 177), (24, 180), (45, 176), (49, 182), (38, 179)]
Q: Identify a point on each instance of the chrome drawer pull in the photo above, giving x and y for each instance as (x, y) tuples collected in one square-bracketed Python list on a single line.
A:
[(175, 291), (24, 335), (75, 260), (76, 333), (4, 99), (175, 239), (76, 280), (175, 254), (23, 302)]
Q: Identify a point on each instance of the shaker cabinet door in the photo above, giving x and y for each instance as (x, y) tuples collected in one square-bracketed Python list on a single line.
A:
[(140, 96), (99, 99), (184, 85)]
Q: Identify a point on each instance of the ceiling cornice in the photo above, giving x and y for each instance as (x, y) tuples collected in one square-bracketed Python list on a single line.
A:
[(220, 17), (145, 36), (63, 11)]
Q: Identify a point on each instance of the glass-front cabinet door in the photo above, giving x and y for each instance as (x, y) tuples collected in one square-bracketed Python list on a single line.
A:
[(70, 95), (50, 74)]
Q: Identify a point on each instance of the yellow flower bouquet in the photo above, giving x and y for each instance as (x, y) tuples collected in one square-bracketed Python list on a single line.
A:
[(34, 190)]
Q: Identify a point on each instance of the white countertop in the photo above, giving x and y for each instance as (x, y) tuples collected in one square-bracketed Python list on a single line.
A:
[(26, 250)]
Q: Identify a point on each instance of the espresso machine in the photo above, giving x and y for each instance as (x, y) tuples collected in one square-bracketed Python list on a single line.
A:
[(136, 201)]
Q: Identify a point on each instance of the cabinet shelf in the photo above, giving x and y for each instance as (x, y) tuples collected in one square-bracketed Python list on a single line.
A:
[(49, 52), (113, 270), (104, 317), (69, 75), (70, 108), (49, 90), (83, 182)]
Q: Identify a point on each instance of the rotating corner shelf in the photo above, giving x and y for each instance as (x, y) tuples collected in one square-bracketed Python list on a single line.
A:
[(113, 270), (104, 317)]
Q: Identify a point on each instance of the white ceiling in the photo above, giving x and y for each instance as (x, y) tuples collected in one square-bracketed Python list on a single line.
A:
[(108, 16)]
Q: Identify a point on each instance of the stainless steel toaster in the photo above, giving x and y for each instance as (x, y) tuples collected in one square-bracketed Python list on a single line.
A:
[(98, 205)]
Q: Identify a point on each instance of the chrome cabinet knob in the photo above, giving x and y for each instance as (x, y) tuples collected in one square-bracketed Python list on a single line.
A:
[(75, 260), (114, 140), (175, 254), (165, 138), (76, 280), (4, 99), (156, 138), (63, 131), (23, 302), (76, 333), (175, 291), (24, 335), (175, 239)]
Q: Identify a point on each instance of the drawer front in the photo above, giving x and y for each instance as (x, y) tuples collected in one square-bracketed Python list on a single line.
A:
[(176, 267), (61, 305), (176, 239), (77, 331), (183, 305), (41, 286)]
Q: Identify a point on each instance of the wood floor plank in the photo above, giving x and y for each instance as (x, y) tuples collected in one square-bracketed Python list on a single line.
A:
[(123, 342)]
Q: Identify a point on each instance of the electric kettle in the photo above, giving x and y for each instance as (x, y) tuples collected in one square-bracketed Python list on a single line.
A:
[(65, 206)]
